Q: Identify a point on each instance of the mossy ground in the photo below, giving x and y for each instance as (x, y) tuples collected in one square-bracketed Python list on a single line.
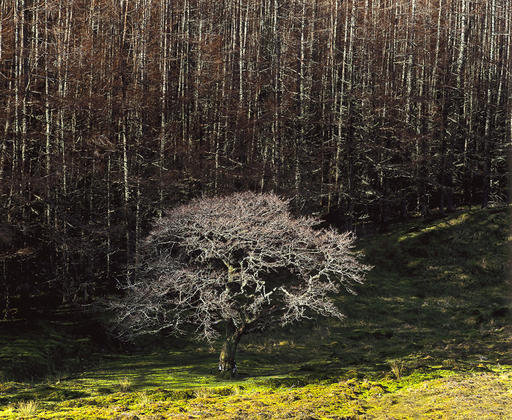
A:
[(428, 336)]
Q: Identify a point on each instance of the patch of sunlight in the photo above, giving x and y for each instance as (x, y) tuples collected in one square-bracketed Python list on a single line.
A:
[(414, 263), (442, 225)]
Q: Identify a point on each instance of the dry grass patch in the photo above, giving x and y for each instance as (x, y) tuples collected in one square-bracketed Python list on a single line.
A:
[(27, 409), (478, 396)]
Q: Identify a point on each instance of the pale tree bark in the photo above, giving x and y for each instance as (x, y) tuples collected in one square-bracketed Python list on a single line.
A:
[(299, 142), (108, 217), (164, 71), (450, 110), (3, 146), (47, 113), (490, 30), (346, 192), (183, 78), (277, 82), (508, 111), (410, 62), (346, 77), (422, 150), (65, 13), (334, 91), (18, 66)]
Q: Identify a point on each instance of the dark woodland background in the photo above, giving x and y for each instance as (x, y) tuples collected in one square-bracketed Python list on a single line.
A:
[(363, 112)]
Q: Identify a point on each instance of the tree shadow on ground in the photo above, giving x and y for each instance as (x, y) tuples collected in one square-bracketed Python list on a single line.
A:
[(437, 297)]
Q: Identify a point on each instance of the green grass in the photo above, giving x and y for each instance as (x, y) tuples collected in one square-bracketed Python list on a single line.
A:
[(428, 336), (41, 349)]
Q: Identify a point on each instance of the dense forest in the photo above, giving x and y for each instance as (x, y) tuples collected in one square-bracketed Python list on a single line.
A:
[(362, 112)]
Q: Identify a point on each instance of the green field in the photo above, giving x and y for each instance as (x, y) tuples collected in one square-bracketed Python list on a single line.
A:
[(428, 336)]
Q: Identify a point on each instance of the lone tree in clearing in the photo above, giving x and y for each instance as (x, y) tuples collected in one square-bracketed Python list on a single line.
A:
[(238, 263)]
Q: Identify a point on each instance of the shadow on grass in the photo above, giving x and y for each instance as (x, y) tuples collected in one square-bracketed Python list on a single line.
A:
[(436, 299), (439, 294)]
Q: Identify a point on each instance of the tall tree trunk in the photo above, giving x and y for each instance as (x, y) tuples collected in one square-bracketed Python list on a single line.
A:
[(487, 148)]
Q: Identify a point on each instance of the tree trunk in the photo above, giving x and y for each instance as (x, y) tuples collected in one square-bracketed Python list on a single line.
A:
[(227, 363)]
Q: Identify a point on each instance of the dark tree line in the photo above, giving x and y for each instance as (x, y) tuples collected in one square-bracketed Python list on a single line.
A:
[(112, 110)]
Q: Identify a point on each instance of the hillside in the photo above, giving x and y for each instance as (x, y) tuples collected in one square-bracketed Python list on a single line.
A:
[(427, 336)]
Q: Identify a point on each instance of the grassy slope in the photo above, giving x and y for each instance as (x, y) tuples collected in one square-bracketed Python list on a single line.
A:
[(428, 336)]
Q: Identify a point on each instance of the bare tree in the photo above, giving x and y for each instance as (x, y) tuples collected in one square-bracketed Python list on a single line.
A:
[(239, 262)]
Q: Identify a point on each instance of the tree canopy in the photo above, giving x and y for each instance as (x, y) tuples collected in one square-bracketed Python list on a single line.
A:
[(239, 262)]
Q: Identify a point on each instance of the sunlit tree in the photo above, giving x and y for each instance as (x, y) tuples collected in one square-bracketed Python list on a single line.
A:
[(236, 264)]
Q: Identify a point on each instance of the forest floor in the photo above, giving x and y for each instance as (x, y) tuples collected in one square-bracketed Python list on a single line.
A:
[(428, 336)]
